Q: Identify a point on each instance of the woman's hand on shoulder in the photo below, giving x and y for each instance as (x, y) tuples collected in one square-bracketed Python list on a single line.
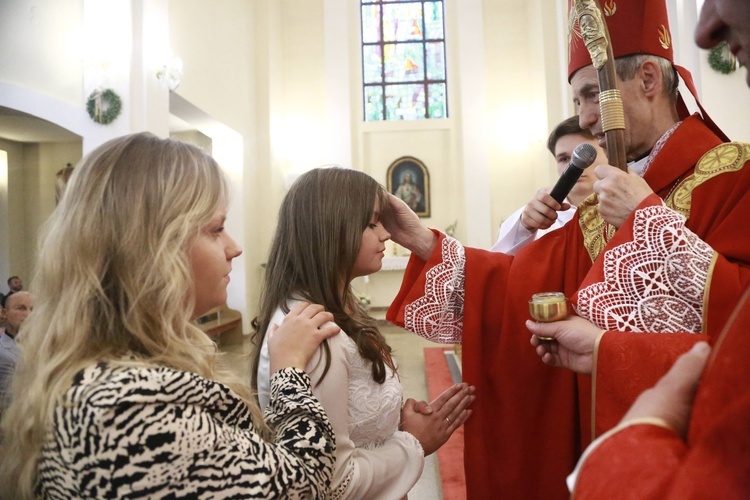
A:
[(297, 338), (432, 425)]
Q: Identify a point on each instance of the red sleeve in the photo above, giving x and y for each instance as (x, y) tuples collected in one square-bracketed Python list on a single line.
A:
[(516, 394), (719, 210), (626, 364), (646, 462), (637, 462), (649, 462)]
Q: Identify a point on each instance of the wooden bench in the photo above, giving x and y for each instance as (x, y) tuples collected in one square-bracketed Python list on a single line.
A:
[(222, 324)]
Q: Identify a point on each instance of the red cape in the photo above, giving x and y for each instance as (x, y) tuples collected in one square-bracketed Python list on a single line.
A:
[(652, 462)]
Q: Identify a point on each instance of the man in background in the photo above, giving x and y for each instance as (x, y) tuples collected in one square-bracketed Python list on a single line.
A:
[(18, 305), (536, 219), (14, 285)]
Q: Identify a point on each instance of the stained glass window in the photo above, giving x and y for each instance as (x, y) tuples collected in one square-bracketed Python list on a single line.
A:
[(403, 60)]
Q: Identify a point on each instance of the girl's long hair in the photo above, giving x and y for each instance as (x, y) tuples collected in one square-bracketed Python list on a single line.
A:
[(312, 255), (113, 283)]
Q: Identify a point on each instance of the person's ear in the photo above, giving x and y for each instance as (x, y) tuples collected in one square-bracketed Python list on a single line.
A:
[(651, 79)]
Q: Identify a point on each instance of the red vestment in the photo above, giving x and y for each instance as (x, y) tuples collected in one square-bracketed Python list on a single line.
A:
[(530, 421), (647, 461)]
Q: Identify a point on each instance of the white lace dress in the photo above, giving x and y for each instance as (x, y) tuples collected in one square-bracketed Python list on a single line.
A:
[(373, 458)]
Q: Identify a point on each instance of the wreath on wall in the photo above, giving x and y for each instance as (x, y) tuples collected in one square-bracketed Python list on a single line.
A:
[(104, 106), (721, 59)]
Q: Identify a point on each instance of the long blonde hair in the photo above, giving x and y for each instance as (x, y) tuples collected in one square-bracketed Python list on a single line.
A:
[(313, 252), (114, 280)]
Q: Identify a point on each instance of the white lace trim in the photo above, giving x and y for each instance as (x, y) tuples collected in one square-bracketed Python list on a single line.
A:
[(654, 283), (438, 315), (374, 409), (343, 486), (658, 147)]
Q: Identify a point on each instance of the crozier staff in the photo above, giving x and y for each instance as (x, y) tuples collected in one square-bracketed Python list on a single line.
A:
[(452, 293)]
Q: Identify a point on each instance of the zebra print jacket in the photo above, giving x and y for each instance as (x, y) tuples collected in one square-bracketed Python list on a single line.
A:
[(124, 432)]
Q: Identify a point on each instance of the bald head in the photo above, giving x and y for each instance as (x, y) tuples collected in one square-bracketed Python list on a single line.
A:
[(17, 307)]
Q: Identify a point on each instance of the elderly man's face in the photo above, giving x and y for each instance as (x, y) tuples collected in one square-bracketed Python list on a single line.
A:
[(729, 21), (636, 107)]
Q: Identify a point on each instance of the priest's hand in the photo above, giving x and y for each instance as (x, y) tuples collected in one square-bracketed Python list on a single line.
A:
[(671, 399), (619, 193), (407, 230), (447, 413), (573, 344), (541, 212)]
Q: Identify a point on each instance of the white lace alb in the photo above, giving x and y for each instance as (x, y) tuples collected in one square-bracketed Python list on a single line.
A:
[(654, 283), (438, 315)]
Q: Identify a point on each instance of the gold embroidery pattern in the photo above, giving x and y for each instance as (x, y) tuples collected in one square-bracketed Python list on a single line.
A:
[(593, 226), (609, 8), (665, 40), (679, 199), (728, 157), (574, 32)]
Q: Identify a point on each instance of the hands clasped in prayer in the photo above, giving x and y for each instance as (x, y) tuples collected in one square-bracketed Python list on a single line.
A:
[(433, 424), (318, 249)]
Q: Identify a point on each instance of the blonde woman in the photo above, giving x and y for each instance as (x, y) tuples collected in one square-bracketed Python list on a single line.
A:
[(118, 393), (328, 233)]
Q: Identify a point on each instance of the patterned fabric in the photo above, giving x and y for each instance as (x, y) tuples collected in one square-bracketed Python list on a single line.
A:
[(659, 146), (596, 231), (654, 283), (729, 157), (161, 433), (438, 314), (657, 282), (648, 462), (517, 393), (374, 409), (373, 458)]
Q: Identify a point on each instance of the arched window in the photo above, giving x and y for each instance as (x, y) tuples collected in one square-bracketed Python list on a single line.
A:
[(403, 60)]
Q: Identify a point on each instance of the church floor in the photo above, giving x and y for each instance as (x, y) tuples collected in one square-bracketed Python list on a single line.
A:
[(409, 352)]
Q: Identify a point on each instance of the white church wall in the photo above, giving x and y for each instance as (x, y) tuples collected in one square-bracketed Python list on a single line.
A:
[(286, 75)]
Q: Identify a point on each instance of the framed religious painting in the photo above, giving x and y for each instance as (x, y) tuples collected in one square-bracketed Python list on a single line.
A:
[(409, 179)]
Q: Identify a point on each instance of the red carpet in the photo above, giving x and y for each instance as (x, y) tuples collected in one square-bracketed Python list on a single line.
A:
[(451, 454)]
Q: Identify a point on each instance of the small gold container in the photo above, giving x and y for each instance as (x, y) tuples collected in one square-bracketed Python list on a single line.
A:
[(548, 307)]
